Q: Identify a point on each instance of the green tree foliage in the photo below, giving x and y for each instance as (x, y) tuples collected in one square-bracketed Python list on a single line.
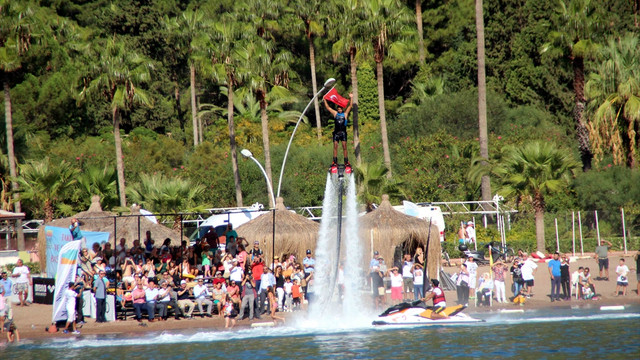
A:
[(367, 94), (373, 182)]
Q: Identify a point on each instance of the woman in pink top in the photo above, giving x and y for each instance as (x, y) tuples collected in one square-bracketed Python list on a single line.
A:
[(138, 296)]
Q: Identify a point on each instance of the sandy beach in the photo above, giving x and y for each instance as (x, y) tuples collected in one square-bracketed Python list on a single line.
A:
[(33, 319)]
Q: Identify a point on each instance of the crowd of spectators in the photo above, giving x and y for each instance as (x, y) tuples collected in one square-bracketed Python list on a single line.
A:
[(224, 275)]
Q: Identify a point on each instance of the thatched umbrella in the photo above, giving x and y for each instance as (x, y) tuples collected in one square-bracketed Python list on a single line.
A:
[(294, 233), (386, 228)]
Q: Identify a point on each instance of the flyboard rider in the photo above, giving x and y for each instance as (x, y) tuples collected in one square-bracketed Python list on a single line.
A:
[(439, 303), (340, 131)]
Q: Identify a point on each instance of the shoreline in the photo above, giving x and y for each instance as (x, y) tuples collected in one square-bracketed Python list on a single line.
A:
[(31, 321)]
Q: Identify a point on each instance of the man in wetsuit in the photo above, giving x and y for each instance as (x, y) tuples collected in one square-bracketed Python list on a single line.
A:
[(340, 131)]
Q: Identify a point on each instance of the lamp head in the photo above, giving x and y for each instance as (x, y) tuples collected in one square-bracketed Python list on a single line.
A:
[(329, 83), (246, 153)]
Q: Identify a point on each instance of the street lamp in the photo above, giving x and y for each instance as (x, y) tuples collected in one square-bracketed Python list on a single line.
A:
[(246, 153), (327, 84)]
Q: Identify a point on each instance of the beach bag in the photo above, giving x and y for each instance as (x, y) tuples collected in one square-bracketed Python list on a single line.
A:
[(381, 291)]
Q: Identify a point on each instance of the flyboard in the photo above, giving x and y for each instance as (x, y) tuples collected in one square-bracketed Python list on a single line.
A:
[(418, 313)]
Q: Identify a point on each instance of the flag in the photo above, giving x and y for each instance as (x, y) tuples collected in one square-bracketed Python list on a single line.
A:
[(67, 266), (335, 98)]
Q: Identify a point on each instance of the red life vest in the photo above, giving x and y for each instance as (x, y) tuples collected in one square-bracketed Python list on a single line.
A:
[(438, 298)]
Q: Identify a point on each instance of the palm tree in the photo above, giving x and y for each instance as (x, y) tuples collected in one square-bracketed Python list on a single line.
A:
[(532, 172), (312, 14), (577, 28), (385, 20), (614, 100), (118, 75), (373, 182), (101, 181), (45, 183), (194, 29), (160, 194), (421, 55), (345, 21), (482, 100)]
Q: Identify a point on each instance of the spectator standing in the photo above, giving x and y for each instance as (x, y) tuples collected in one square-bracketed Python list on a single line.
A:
[(463, 285), (499, 271), (528, 270), (516, 276), (255, 252), (602, 254), (471, 234), (267, 280), (472, 268), (229, 313), (377, 284), (74, 228), (622, 282), (231, 238), (554, 272), (248, 297), (288, 294), (462, 233), (309, 264), (418, 282), (279, 286), (407, 276), (22, 278), (100, 286), (636, 257), (565, 277), (6, 283), (396, 285), (273, 306)]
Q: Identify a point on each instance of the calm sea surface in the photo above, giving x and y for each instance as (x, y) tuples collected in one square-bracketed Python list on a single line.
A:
[(550, 334)]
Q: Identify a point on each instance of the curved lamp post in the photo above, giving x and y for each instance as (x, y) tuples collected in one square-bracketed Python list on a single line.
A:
[(246, 153), (327, 84)]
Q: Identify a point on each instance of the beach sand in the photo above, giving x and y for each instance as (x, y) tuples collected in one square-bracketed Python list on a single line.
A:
[(33, 319)]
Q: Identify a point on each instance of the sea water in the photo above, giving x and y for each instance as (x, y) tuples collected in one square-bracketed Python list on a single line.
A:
[(538, 334)]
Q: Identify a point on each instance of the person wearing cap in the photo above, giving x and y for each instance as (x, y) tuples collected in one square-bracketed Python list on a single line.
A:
[(255, 252), (471, 233), (439, 304), (499, 271), (309, 264), (100, 286), (218, 278), (375, 262), (184, 300), (202, 294)]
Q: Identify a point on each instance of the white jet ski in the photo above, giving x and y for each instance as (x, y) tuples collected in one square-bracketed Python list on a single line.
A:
[(418, 313)]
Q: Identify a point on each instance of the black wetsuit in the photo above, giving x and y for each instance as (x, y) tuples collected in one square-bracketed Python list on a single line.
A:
[(340, 130)]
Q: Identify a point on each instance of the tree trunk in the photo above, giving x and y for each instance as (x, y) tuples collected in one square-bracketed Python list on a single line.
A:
[(383, 118), (314, 83), (354, 110), (12, 163), (232, 144), (48, 211), (265, 139), (194, 118), (119, 157), (482, 101), (420, 35), (538, 206), (578, 114)]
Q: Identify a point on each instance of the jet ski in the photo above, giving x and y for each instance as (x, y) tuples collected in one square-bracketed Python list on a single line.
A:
[(418, 313)]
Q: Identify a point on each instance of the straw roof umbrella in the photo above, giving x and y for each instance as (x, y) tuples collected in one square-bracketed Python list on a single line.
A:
[(385, 228), (294, 233)]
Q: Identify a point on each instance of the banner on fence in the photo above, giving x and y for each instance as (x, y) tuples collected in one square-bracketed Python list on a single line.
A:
[(57, 237)]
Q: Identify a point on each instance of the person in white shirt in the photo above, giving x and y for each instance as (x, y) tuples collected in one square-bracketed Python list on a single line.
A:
[(472, 269), (407, 276), (23, 281), (288, 294), (70, 305), (471, 233), (622, 282), (202, 294), (528, 269), (151, 296), (418, 282), (236, 273)]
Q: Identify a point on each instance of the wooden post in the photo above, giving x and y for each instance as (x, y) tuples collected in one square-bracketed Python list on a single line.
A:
[(573, 232), (597, 226), (624, 231), (557, 238), (580, 228)]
